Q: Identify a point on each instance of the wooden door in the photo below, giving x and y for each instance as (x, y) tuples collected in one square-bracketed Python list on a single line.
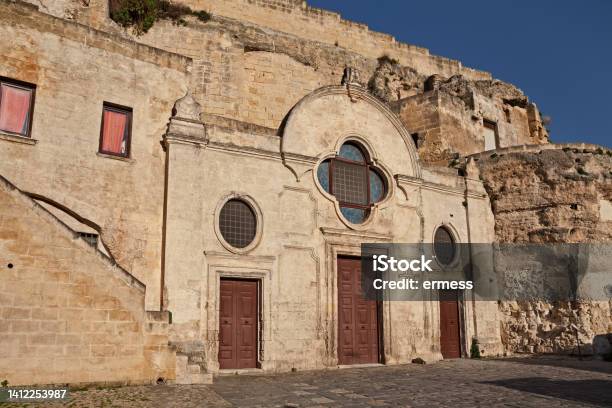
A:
[(450, 338), (357, 317), (238, 324)]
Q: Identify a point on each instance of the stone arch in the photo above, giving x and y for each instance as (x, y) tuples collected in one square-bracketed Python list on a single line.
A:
[(319, 120)]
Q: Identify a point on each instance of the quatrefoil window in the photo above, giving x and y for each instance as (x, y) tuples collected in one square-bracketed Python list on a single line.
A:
[(352, 178)]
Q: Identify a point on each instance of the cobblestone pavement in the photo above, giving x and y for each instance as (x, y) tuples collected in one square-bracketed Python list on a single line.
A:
[(527, 382)]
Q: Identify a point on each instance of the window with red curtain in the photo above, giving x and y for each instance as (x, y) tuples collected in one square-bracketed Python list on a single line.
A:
[(16, 102), (116, 129)]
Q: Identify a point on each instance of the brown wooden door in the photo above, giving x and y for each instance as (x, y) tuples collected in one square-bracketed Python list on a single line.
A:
[(357, 317), (238, 324), (450, 339)]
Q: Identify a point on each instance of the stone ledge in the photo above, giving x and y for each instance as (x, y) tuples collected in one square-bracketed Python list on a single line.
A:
[(120, 158), (9, 137), (536, 148)]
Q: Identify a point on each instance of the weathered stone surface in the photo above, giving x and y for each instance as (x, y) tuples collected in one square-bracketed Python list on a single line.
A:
[(391, 81), (448, 118), (68, 9), (551, 196), (463, 88)]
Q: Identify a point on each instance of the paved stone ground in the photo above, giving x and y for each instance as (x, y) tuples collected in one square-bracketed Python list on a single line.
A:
[(528, 382)]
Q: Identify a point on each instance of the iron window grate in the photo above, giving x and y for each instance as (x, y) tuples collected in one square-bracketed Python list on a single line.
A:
[(237, 223)]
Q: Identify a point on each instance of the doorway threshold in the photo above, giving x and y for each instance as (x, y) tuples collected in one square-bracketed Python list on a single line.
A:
[(226, 372), (343, 366)]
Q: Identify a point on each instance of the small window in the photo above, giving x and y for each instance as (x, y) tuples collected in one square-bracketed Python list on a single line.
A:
[(92, 239), (444, 246), (116, 130), (16, 106), (237, 223), (490, 135)]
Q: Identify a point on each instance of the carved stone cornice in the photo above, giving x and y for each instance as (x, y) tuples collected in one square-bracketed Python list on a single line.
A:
[(244, 150), (405, 183), (360, 235), (216, 257), (185, 131)]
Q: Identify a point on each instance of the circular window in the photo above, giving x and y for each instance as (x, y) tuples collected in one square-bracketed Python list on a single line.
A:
[(444, 246), (354, 181), (237, 223)]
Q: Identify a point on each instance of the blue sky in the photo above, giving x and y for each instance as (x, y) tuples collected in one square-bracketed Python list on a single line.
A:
[(558, 52)]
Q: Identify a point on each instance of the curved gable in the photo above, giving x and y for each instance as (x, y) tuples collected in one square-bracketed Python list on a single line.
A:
[(318, 124)]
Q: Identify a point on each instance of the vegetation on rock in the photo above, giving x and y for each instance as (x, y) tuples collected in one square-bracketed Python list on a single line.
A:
[(475, 349), (140, 15)]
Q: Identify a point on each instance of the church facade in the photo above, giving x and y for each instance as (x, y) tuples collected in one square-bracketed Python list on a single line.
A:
[(192, 200)]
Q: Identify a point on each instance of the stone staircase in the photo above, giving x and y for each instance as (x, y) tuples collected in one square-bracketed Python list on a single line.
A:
[(190, 367), (189, 356)]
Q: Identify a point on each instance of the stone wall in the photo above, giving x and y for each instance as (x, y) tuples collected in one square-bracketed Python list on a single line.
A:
[(252, 74), (295, 19), (68, 314), (256, 75), (447, 119), (254, 60), (556, 194), (76, 69), (327, 27)]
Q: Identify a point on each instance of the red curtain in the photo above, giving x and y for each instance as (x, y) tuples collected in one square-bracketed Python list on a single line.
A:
[(14, 107), (113, 133)]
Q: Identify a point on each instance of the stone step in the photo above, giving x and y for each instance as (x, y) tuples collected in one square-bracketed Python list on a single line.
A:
[(200, 378), (189, 373)]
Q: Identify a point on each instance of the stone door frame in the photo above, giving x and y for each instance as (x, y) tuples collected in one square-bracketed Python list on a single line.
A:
[(340, 243), (231, 266)]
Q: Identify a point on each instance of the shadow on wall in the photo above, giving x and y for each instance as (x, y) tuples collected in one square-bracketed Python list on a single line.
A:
[(595, 392), (602, 346)]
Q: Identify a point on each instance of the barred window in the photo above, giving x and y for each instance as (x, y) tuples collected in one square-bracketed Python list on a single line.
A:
[(350, 183), (353, 180), (237, 223), (444, 246), (90, 238)]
